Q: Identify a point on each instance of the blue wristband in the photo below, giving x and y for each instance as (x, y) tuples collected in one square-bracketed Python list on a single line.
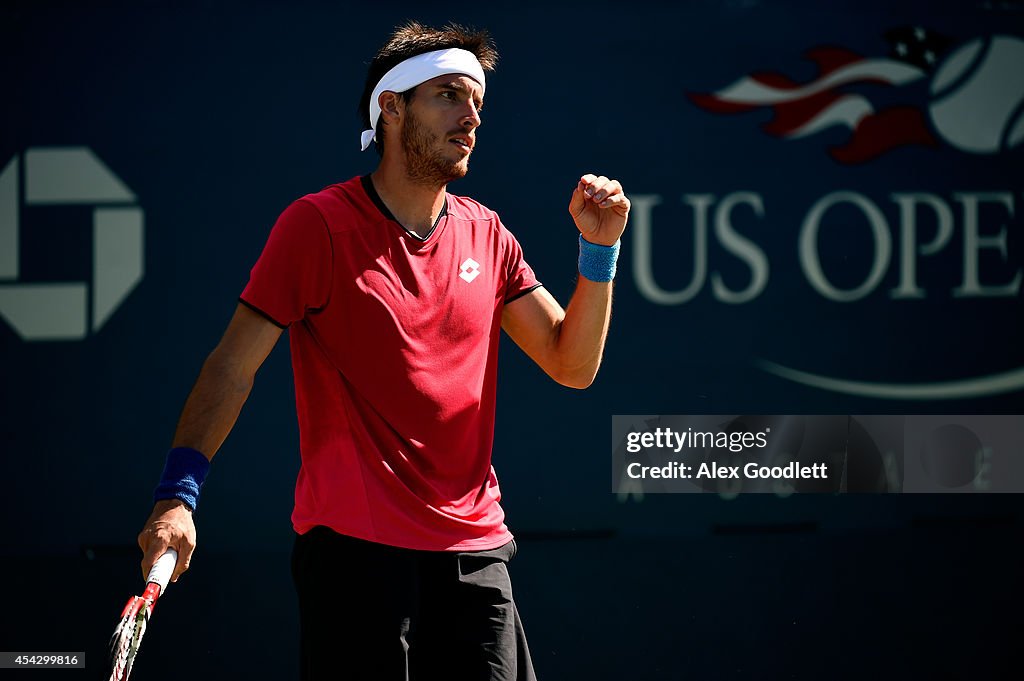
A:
[(184, 474), (597, 263)]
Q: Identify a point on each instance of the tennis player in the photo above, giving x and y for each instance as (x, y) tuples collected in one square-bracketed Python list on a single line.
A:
[(394, 292)]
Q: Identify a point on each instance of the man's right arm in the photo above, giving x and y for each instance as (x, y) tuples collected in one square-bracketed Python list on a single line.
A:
[(208, 416)]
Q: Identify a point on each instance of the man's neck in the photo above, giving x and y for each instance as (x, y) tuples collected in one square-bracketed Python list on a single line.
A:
[(415, 206)]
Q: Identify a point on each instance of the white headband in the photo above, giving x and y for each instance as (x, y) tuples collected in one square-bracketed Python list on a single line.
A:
[(419, 69)]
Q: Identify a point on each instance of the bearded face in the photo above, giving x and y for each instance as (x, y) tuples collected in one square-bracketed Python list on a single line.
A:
[(430, 157)]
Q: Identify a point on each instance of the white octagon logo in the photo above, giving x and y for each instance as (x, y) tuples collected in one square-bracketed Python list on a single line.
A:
[(67, 176)]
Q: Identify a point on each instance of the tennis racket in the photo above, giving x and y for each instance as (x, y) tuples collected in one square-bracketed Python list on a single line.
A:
[(124, 644)]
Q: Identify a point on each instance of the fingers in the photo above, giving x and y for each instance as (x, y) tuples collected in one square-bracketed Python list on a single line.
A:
[(599, 208), (153, 546), (618, 202), (599, 190), (578, 201), (169, 526), (587, 191), (184, 559)]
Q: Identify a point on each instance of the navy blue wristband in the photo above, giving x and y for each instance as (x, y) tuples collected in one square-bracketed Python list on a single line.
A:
[(597, 262), (184, 473)]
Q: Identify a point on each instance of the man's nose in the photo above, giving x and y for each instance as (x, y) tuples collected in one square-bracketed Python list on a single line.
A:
[(471, 116)]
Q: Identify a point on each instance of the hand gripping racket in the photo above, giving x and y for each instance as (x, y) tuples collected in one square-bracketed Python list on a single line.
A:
[(127, 638)]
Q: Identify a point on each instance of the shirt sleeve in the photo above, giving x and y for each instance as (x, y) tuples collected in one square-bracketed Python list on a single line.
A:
[(520, 278), (293, 274)]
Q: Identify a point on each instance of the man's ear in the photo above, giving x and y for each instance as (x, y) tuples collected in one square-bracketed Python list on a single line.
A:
[(391, 106)]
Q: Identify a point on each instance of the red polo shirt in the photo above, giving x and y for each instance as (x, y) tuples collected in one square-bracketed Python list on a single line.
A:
[(394, 343)]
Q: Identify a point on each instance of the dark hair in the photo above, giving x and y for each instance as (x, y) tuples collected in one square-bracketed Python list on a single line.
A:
[(411, 39)]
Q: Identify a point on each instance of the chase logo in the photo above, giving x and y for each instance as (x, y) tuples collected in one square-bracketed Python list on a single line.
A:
[(46, 311), (469, 270), (974, 101)]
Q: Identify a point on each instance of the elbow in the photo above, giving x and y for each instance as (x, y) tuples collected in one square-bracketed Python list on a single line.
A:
[(571, 365), (579, 379), (579, 384)]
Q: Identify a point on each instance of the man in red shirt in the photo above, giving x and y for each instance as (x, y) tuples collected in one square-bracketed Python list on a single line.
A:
[(394, 292)]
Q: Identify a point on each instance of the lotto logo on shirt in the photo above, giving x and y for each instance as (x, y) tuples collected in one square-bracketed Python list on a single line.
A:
[(469, 269)]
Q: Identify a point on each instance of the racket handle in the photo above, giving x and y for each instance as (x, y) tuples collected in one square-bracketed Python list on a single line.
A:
[(162, 569)]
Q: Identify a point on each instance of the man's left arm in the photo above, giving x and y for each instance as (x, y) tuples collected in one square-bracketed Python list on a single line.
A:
[(568, 344)]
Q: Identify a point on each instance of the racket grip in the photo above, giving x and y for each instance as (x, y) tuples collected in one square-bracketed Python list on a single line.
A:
[(162, 569)]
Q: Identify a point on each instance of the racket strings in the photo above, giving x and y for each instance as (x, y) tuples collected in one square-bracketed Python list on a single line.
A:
[(124, 644), (127, 638)]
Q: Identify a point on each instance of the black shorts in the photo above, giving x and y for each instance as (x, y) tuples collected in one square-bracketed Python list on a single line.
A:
[(368, 611)]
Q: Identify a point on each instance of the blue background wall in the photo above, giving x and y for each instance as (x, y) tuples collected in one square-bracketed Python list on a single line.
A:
[(217, 115)]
